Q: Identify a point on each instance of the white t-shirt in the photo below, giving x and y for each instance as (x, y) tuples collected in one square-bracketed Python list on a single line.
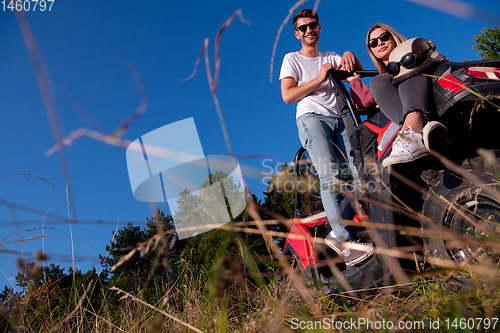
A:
[(303, 70)]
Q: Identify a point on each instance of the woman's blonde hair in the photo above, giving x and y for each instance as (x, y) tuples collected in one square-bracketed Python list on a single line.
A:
[(398, 39)]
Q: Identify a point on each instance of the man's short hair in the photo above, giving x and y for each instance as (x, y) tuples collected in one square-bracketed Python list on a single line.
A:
[(305, 13)]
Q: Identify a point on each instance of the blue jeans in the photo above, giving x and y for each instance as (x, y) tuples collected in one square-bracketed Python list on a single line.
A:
[(325, 139)]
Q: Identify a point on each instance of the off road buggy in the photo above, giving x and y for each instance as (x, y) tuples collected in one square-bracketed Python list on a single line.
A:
[(447, 187)]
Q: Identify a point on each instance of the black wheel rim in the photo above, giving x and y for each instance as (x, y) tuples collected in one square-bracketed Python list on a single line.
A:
[(477, 217)]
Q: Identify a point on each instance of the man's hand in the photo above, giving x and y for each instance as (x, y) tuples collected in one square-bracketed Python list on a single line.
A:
[(323, 72), (292, 93), (349, 62)]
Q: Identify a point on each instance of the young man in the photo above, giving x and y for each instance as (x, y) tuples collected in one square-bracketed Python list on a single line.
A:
[(321, 130)]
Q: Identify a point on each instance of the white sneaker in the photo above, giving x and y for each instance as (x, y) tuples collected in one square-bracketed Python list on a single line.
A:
[(407, 147), (434, 135), (332, 241), (353, 252)]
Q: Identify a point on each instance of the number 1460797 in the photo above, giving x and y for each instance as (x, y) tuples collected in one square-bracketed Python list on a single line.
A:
[(27, 5)]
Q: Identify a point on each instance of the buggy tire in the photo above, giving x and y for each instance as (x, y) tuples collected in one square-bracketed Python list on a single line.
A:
[(458, 205)]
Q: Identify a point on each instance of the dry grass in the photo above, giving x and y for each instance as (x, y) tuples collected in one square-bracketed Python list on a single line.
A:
[(274, 307)]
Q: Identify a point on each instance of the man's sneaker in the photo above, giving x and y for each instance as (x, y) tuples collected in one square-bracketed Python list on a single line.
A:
[(407, 147), (434, 135), (353, 252), (332, 241)]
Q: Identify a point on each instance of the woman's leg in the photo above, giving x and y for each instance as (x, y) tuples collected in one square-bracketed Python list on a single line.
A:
[(415, 120), (405, 103), (414, 93), (387, 97)]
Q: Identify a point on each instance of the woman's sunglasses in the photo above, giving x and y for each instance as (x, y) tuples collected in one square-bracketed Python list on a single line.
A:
[(384, 37), (311, 25), (408, 61)]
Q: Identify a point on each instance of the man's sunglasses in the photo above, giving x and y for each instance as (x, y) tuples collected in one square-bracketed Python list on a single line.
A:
[(384, 37), (408, 61), (311, 25)]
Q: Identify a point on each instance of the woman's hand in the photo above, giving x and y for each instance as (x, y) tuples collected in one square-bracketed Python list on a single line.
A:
[(354, 76)]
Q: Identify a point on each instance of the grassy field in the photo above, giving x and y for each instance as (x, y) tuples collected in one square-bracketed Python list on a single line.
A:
[(437, 295)]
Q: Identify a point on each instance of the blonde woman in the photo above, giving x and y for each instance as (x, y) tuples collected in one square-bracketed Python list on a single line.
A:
[(405, 102), (384, 39)]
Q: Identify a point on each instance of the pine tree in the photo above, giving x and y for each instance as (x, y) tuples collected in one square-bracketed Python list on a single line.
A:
[(488, 43)]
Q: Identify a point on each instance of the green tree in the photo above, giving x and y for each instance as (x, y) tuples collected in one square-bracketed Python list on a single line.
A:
[(279, 199), (216, 203), (280, 195), (139, 257), (202, 251), (488, 43), (9, 302), (47, 295), (219, 250), (147, 257), (129, 274)]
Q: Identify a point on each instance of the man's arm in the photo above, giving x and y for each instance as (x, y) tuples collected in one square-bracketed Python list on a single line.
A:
[(292, 93)]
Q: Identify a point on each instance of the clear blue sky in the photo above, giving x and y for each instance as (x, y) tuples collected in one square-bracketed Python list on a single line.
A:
[(163, 39)]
